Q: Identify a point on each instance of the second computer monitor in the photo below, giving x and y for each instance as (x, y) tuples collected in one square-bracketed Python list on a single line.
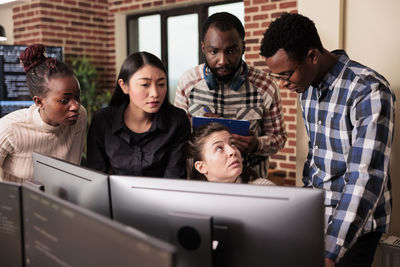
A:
[(84, 187), (11, 246), (247, 225), (59, 233)]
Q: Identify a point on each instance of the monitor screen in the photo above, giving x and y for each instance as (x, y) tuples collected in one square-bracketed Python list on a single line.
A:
[(14, 93), (84, 187), (59, 233), (226, 224), (11, 248)]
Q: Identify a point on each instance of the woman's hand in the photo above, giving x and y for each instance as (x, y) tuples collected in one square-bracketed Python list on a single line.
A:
[(211, 115), (329, 263), (246, 144)]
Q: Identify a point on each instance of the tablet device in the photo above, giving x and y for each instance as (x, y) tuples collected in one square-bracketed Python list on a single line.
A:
[(240, 127)]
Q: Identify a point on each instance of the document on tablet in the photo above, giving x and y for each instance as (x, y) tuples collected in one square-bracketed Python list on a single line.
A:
[(240, 127)]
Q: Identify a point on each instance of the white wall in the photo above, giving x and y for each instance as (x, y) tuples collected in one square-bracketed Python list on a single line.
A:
[(7, 22), (121, 50), (368, 31)]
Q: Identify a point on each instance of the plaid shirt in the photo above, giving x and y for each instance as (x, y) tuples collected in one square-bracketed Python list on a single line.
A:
[(350, 123), (257, 100)]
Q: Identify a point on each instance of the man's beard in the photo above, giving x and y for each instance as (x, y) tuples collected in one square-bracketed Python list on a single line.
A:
[(226, 78)]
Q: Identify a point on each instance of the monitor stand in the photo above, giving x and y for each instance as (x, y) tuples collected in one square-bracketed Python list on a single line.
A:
[(192, 235)]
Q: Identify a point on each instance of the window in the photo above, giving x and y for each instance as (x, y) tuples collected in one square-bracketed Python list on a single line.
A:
[(174, 36)]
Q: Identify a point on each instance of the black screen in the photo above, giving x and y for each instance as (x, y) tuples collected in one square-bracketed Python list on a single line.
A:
[(10, 225), (84, 187), (59, 233), (253, 225), (14, 93)]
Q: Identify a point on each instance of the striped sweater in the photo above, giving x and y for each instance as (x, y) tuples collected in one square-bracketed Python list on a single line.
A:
[(256, 100)]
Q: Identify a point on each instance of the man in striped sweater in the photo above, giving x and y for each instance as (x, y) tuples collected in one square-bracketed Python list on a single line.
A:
[(225, 86)]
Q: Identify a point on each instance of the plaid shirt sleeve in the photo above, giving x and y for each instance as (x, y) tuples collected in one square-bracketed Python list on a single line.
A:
[(274, 133), (180, 100), (366, 176), (185, 84), (306, 169)]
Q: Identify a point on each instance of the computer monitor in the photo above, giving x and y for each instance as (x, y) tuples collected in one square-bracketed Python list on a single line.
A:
[(250, 225), (14, 93), (84, 187), (60, 233), (11, 242)]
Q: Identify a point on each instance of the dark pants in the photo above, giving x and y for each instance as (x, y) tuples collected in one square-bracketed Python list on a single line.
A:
[(361, 254)]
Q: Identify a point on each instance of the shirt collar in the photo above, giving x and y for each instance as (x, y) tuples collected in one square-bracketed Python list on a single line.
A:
[(159, 122), (331, 78), (238, 79)]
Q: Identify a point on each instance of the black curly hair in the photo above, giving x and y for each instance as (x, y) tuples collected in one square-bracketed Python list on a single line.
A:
[(40, 69), (223, 21), (295, 33)]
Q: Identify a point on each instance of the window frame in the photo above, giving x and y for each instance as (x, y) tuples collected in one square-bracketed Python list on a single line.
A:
[(202, 11)]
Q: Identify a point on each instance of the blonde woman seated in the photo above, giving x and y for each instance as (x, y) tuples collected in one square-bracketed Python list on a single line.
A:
[(213, 156)]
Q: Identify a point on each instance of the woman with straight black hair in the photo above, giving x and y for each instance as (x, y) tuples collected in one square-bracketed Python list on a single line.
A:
[(140, 133)]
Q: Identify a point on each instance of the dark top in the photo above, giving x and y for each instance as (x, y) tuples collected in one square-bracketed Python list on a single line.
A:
[(113, 147)]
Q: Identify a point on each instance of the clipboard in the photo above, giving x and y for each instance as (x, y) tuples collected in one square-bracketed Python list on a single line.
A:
[(240, 127)]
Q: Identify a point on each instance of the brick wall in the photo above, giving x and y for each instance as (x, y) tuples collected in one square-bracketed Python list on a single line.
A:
[(258, 15), (80, 26), (86, 28)]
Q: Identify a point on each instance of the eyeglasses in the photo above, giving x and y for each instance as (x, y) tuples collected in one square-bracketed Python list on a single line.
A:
[(284, 77)]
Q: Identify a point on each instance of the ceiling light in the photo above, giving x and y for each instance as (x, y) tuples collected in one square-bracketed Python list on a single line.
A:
[(3, 36)]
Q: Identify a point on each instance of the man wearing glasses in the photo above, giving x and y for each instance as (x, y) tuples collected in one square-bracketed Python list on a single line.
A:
[(348, 110), (225, 86)]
